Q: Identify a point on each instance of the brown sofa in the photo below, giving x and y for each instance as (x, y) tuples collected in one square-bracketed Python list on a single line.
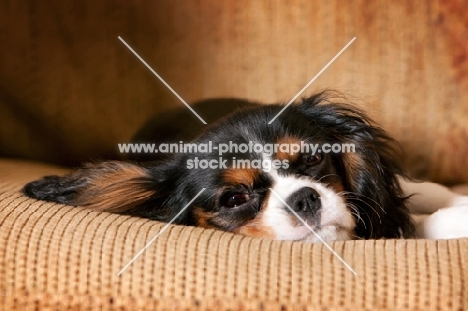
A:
[(70, 91), (55, 257)]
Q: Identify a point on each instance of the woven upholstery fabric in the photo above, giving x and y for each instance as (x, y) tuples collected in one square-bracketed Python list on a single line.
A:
[(70, 91), (56, 257)]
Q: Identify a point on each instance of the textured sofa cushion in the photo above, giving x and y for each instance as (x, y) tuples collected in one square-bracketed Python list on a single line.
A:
[(60, 257)]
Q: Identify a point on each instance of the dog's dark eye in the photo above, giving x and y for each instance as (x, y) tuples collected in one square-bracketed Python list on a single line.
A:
[(236, 200), (313, 159)]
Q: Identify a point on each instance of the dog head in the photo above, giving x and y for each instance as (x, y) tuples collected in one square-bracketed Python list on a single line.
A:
[(321, 167)]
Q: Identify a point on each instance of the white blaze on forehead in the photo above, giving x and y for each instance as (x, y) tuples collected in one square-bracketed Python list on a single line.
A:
[(336, 221)]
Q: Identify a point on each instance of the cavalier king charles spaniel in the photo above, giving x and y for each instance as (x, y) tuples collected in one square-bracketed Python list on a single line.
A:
[(260, 180)]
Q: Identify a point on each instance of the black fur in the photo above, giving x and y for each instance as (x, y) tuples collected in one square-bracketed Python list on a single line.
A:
[(373, 185), (369, 177)]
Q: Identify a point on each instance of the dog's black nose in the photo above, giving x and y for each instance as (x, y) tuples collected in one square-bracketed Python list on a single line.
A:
[(305, 200)]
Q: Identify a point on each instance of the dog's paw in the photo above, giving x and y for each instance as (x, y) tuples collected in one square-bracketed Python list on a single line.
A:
[(461, 200), (446, 223)]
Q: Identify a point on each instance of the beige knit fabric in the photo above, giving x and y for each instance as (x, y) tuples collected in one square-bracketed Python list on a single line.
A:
[(56, 257)]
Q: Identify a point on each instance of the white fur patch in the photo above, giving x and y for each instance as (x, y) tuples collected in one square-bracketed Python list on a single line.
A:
[(447, 223), (437, 212), (337, 222)]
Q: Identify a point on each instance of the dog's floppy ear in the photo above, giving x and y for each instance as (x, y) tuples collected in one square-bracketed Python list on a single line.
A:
[(371, 169), (111, 186)]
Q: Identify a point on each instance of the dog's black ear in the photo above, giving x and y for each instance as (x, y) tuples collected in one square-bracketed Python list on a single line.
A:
[(374, 190), (372, 187), (112, 186)]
